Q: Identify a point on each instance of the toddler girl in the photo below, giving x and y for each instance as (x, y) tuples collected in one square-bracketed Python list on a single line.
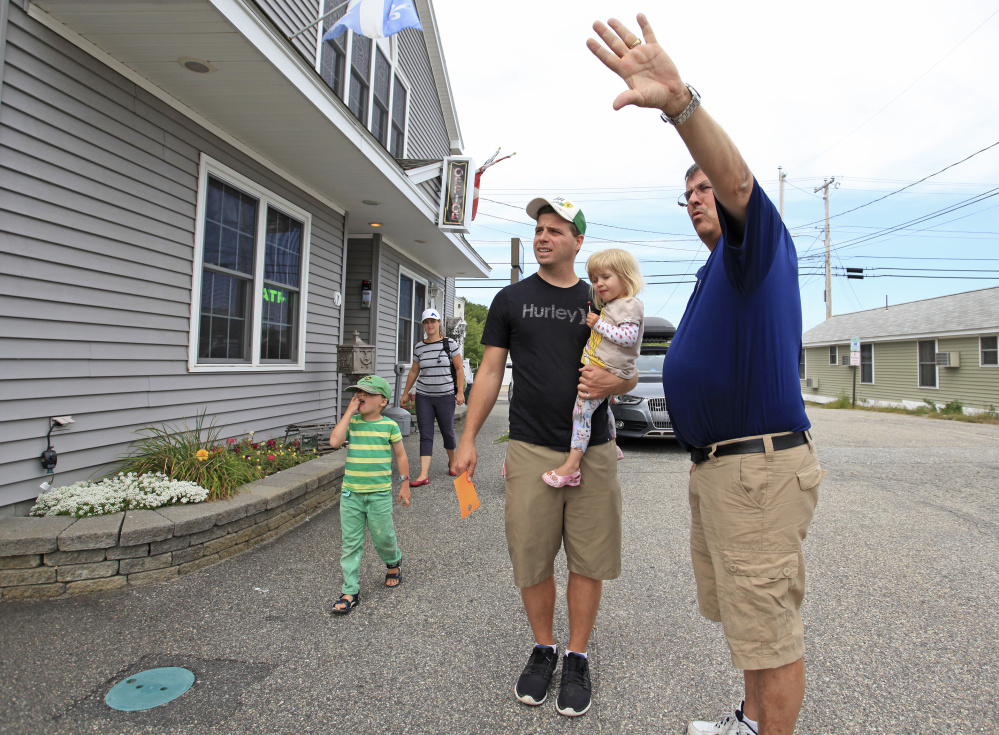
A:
[(615, 339)]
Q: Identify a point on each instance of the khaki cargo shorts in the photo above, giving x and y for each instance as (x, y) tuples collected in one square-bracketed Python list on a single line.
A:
[(749, 514), (540, 518)]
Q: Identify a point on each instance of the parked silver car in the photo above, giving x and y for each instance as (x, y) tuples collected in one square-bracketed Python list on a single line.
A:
[(642, 412)]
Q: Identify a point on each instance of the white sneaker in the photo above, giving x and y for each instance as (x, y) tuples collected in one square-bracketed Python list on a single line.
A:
[(730, 724)]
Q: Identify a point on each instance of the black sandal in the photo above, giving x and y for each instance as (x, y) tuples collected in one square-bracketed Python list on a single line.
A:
[(348, 604), (397, 576)]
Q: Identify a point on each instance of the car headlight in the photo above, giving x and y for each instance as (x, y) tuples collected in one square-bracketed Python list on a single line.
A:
[(626, 400)]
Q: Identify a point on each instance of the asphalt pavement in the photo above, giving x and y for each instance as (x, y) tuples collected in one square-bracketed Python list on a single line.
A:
[(901, 620)]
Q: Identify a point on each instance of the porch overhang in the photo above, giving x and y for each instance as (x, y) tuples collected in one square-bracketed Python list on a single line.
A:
[(262, 96)]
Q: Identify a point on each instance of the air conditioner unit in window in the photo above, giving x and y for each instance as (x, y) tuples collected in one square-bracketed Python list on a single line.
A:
[(949, 359), (844, 360), (812, 383)]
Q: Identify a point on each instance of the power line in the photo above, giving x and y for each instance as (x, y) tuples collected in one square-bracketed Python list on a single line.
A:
[(925, 218), (909, 186)]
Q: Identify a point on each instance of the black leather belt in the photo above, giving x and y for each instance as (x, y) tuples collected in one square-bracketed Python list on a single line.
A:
[(750, 446)]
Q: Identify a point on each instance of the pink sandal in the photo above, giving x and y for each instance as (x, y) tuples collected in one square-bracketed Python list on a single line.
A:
[(559, 481)]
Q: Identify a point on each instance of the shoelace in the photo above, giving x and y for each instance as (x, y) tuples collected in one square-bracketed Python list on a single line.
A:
[(574, 670), (540, 661), (726, 722)]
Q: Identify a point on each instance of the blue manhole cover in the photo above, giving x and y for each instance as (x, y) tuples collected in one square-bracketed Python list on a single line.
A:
[(149, 688)]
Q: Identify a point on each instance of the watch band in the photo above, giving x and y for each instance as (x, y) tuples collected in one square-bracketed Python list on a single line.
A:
[(403, 478), (695, 102)]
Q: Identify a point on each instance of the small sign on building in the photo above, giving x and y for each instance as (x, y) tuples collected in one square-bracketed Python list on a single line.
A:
[(456, 194), (855, 358), (855, 344)]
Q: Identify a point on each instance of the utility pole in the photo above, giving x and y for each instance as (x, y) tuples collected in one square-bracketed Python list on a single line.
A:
[(825, 196), (780, 177)]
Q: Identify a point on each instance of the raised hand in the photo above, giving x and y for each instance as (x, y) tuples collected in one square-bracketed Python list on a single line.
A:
[(652, 77)]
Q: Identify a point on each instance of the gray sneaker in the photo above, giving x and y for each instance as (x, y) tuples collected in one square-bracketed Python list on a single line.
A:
[(532, 686), (730, 724)]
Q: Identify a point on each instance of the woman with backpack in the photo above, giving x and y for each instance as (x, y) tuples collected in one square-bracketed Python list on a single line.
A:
[(440, 384)]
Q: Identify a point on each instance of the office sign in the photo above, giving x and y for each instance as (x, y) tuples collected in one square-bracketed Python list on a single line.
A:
[(456, 194)]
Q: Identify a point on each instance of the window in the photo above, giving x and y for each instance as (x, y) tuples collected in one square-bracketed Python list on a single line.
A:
[(412, 302), (989, 351), (380, 99), (360, 73), (365, 74), (333, 55), (833, 355), (398, 142), (867, 363), (928, 364), (801, 363), (250, 270)]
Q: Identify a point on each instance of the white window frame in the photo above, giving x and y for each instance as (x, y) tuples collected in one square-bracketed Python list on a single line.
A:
[(397, 74), (833, 349), (403, 271), (981, 350), (935, 366), (266, 198), (861, 365)]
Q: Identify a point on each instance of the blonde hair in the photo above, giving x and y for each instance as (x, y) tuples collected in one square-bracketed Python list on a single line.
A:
[(623, 265)]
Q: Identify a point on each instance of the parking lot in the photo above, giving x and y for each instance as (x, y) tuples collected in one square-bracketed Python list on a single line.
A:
[(900, 614)]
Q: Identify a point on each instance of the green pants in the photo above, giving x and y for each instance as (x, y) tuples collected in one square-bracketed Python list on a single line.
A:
[(371, 511)]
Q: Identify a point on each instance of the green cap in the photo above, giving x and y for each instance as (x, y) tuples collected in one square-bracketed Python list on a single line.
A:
[(373, 384)]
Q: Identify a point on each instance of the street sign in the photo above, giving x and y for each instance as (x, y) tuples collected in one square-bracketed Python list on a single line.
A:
[(855, 358), (855, 344)]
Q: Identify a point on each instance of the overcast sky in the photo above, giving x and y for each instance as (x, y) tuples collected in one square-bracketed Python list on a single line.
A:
[(878, 94)]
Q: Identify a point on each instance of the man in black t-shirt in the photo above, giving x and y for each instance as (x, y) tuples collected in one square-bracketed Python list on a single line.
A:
[(541, 323)]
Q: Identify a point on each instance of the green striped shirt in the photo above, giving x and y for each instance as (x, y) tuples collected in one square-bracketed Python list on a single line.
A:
[(369, 454)]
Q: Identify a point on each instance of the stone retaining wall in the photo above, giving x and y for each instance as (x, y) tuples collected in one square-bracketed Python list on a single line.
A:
[(57, 555)]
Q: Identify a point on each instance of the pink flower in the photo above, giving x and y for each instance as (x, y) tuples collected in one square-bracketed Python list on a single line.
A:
[(271, 457), (230, 440)]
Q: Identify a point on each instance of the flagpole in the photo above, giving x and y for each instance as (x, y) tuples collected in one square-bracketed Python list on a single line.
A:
[(317, 22)]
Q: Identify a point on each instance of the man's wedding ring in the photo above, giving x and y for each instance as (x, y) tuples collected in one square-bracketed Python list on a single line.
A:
[(637, 42)]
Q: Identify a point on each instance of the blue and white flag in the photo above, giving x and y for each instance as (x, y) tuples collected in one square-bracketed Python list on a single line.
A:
[(376, 18)]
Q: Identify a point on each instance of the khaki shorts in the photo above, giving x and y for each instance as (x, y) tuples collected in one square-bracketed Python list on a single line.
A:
[(749, 514), (540, 518)]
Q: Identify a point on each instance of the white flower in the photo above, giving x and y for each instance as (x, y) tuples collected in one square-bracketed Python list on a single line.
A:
[(114, 494)]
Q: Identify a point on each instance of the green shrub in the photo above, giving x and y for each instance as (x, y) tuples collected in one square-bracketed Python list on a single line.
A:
[(953, 408), (842, 401)]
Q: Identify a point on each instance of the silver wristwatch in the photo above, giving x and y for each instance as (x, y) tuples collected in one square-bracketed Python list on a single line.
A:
[(695, 102)]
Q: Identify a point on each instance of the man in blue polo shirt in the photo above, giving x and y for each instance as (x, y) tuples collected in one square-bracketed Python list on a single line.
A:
[(731, 382)]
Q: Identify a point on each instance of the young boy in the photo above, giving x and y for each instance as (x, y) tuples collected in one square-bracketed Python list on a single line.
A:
[(366, 496)]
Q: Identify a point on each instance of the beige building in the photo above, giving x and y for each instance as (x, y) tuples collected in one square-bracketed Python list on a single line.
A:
[(937, 350)]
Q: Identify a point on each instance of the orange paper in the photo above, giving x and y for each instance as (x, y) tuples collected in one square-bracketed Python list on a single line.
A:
[(467, 498)]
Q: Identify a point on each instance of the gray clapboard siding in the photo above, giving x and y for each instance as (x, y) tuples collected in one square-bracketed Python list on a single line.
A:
[(359, 268), (427, 133), (290, 16), (98, 191), (71, 293)]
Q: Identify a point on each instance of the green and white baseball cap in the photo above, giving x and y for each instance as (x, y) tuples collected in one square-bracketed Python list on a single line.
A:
[(565, 208), (374, 384)]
